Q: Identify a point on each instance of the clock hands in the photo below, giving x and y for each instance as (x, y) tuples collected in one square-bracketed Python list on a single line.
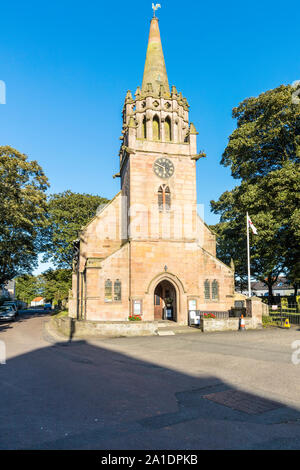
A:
[(164, 168), (157, 164)]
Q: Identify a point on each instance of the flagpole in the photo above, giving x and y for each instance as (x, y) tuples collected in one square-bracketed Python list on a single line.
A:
[(248, 257)]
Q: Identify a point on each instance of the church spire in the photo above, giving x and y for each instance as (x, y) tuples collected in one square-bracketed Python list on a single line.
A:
[(155, 73)]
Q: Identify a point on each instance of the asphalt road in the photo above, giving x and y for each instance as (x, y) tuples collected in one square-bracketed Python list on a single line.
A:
[(148, 393)]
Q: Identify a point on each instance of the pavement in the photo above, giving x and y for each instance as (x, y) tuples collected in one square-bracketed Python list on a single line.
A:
[(231, 390)]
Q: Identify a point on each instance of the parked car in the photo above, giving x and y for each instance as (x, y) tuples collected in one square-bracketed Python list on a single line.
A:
[(11, 303), (47, 306), (7, 313)]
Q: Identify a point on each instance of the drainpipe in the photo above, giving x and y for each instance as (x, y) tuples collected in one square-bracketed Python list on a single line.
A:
[(129, 275)]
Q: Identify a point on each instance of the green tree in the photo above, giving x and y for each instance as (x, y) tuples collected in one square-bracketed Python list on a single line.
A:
[(267, 134), (28, 287), (55, 285), (266, 251), (67, 213), (264, 152), (22, 212)]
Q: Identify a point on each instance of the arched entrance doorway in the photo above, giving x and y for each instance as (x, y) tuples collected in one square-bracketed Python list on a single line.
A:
[(165, 301)]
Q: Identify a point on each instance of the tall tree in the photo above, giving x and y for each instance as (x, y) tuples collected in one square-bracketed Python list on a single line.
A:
[(55, 285), (28, 287), (67, 213), (22, 212), (267, 133), (264, 152)]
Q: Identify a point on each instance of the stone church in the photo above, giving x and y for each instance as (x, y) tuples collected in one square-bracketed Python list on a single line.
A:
[(148, 252)]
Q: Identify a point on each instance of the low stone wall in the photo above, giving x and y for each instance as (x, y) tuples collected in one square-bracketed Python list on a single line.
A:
[(227, 324), (82, 329)]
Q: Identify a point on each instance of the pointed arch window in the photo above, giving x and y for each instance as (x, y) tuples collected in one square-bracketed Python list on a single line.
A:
[(164, 198), (168, 133), (117, 290), (215, 290), (167, 198), (156, 128), (108, 291), (160, 199), (207, 290), (144, 128)]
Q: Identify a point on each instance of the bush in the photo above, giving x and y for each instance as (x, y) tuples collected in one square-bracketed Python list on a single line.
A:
[(269, 321)]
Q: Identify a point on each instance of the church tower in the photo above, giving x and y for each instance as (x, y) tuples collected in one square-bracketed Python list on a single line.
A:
[(158, 154), (148, 252)]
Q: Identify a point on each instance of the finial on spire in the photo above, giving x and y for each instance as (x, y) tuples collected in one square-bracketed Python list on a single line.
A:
[(155, 7)]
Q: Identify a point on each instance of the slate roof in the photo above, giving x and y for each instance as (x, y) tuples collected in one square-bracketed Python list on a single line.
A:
[(280, 284)]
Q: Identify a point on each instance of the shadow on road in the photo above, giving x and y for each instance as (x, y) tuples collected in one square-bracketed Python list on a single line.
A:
[(5, 326), (81, 396)]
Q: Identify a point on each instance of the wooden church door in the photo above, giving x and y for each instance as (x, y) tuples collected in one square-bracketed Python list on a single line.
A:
[(158, 303)]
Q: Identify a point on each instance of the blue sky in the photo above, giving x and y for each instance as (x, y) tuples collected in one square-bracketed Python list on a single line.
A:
[(67, 66)]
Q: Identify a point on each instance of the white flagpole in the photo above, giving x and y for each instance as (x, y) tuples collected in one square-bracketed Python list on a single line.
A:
[(248, 257)]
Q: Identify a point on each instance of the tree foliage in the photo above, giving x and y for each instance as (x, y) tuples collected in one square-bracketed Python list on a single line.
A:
[(264, 152), (52, 285), (267, 134), (67, 213), (27, 288), (22, 212), (55, 285)]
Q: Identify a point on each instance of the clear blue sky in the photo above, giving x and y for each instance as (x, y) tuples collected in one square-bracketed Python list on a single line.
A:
[(68, 64)]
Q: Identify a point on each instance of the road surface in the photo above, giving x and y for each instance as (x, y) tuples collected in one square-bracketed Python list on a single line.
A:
[(172, 392)]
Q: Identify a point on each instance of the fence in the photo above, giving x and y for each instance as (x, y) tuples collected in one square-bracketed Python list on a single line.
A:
[(196, 315), (282, 312)]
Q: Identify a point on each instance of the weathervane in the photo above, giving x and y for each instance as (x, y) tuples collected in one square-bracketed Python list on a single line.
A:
[(155, 7)]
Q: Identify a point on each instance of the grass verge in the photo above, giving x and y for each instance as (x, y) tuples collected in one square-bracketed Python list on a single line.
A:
[(61, 313), (269, 322)]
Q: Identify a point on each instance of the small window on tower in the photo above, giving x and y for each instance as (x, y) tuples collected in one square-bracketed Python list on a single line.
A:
[(167, 198), (164, 198), (160, 199)]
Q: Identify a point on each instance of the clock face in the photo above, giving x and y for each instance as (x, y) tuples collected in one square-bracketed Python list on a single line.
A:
[(163, 167)]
